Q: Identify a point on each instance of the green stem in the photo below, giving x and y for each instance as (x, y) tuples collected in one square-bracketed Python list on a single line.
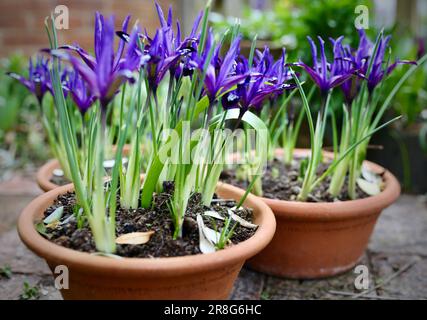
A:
[(338, 177), (152, 122), (316, 150), (103, 233)]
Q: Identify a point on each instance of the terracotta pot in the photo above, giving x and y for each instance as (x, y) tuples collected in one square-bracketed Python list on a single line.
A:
[(316, 240), (202, 276), (45, 173)]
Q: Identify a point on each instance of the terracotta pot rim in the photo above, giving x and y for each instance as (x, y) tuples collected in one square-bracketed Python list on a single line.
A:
[(163, 267), (44, 174), (340, 210)]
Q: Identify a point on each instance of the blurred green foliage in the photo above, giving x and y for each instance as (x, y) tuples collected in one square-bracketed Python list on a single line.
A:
[(12, 94), (290, 22), (22, 138), (411, 99)]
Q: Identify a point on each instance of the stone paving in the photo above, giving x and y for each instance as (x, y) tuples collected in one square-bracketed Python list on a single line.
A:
[(399, 243)]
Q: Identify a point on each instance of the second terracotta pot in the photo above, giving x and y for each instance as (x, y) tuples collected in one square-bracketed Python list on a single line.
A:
[(316, 240)]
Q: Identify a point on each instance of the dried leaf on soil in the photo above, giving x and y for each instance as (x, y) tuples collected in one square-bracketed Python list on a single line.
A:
[(135, 238), (206, 246), (242, 222), (214, 214)]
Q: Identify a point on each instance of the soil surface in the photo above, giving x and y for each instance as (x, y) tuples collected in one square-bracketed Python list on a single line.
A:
[(280, 181), (157, 219)]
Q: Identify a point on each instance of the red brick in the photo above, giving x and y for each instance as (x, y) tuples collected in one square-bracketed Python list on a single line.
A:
[(16, 39), (22, 21)]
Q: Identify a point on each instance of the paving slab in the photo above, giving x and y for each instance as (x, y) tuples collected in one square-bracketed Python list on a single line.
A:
[(13, 288), (20, 185), (15, 194), (410, 284), (402, 228), (248, 286), (289, 289), (14, 254), (11, 207)]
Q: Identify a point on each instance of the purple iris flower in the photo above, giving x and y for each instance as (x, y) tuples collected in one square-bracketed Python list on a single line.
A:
[(38, 81), (168, 52), (105, 72), (174, 41), (278, 75), (266, 80), (358, 61), (326, 75), (378, 71), (186, 48), (159, 62), (65, 80), (90, 60), (221, 74), (189, 46), (80, 92), (348, 61)]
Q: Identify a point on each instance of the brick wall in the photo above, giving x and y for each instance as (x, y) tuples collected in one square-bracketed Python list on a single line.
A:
[(22, 21)]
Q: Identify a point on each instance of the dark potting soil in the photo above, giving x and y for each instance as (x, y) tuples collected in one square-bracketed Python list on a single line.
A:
[(280, 181), (157, 219)]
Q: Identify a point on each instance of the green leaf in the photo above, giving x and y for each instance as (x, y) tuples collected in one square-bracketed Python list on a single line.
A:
[(201, 105), (29, 292), (41, 228), (6, 272), (349, 150)]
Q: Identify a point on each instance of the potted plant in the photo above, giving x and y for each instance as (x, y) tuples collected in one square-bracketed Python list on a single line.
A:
[(175, 233), (326, 203), (57, 172)]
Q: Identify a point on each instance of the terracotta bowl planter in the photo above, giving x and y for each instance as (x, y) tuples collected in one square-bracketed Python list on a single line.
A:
[(202, 276), (45, 173), (316, 240)]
